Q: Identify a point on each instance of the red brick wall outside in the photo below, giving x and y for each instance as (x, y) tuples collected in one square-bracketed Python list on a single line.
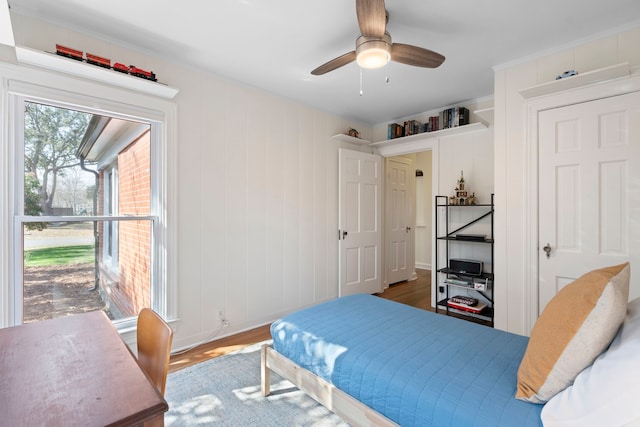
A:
[(129, 292), (134, 237)]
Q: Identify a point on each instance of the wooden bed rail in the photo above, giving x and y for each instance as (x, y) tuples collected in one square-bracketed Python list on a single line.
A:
[(344, 405)]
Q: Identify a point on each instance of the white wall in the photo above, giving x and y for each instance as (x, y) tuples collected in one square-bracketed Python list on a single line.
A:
[(511, 159), (256, 199)]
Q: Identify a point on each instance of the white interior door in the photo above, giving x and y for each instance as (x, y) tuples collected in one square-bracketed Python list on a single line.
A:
[(589, 190), (400, 214), (360, 213)]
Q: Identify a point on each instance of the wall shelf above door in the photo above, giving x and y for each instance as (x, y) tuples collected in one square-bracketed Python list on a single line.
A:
[(579, 80), (412, 143)]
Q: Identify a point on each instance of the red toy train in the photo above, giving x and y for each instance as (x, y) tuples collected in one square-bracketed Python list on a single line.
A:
[(98, 60), (68, 52), (134, 71), (105, 63)]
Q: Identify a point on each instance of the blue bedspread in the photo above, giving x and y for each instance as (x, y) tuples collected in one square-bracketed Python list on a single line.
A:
[(415, 367)]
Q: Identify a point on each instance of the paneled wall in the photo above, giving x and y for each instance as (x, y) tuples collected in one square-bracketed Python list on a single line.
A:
[(256, 198), (511, 157), (258, 208)]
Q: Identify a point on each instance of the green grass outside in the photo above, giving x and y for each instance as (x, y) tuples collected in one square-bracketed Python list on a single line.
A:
[(60, 255)]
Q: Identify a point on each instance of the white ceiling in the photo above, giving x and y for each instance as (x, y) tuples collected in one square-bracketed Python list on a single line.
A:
[(275, 44)]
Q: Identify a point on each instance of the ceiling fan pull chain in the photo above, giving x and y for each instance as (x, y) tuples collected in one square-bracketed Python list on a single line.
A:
[(386, 69), (361, 82)]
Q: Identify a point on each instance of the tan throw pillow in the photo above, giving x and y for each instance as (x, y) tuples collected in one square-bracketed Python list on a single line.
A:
[(575, 327)]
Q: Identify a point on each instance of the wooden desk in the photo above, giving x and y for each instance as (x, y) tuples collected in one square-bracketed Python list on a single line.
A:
[(73, 371)]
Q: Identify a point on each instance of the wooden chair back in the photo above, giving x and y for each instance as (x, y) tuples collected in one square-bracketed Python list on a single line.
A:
[(154, 347)]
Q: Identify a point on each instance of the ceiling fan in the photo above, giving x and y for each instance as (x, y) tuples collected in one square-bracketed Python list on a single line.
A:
[(374, 48)]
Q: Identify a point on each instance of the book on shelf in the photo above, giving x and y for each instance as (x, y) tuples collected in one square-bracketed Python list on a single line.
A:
[(453, 117), (447, 118), (466, 300), (395, 131), (476, 309)]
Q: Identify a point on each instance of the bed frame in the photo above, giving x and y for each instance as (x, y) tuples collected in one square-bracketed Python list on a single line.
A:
[(342, 404)]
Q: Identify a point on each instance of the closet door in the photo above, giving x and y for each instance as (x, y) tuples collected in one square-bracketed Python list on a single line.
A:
[(589, 190)]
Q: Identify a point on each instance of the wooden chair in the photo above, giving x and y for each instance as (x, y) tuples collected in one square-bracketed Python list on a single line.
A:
[(154, 347)]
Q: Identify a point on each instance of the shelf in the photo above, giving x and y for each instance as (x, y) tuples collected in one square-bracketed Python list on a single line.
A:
[(54, 62), (421, 141), (351, 139), (431, 135), (465, 206), (486, 314), (468, 287), (449, 279), (485, 114), (579, 80), (447, 270), (453, 238)]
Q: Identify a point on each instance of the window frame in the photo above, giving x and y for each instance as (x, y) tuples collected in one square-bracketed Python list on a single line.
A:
[(20, 84), (110, 243)]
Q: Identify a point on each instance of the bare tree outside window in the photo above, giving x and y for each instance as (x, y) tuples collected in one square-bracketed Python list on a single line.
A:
[(52, 136)]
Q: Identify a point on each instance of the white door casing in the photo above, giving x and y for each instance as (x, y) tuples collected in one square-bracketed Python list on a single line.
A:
[(360, 222), (589, 189), (400, 213)]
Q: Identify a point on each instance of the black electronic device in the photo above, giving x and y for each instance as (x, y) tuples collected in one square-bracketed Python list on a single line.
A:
[(465, 266), (472, 237)]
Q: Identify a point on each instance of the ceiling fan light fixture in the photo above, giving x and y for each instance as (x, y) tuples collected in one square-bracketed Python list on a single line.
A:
[(374, 48), (373, 53)]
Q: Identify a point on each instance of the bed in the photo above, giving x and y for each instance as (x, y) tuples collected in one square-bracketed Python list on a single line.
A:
[(377, 362)]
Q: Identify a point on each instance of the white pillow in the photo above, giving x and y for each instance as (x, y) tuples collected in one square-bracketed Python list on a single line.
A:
[(607, 392)]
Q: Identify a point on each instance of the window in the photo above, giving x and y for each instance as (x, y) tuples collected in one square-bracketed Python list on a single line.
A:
[(120, 240)]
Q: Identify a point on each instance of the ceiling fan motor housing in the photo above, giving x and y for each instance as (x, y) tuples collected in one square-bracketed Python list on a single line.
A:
[(373, 52)]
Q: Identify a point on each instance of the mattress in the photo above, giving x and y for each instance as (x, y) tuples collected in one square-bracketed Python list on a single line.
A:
[(415, 367)]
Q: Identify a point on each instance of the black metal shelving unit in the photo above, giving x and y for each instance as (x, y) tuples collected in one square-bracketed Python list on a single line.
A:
[(449, 278)]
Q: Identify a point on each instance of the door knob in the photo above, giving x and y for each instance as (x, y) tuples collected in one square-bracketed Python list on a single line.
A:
[(408, 229), (547, 250)]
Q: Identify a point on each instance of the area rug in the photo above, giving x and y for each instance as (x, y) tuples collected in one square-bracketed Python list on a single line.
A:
[(225, 391)]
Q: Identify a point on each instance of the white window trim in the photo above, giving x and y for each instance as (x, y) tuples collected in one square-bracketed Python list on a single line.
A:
[(110, 258), (54, 89)]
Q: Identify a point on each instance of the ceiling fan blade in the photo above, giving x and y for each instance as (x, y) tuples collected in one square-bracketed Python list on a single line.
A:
[(372, 17), (416, 56), (335, 63)]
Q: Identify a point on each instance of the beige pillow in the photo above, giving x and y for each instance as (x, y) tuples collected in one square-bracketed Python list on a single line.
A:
[(576, 326)]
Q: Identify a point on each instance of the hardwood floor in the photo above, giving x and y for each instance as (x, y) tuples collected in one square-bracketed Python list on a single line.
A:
[(416, 293)]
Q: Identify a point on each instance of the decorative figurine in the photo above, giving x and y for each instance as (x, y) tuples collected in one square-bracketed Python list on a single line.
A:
[(461, 196)]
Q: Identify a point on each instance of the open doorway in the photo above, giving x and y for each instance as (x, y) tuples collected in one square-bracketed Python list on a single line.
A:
[(424, 210), (408, 235)]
